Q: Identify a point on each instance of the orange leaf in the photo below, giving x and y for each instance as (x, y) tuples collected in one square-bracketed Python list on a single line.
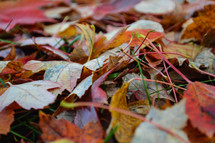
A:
[(200, 24), (200, 107), (57, 129), (7, 117)]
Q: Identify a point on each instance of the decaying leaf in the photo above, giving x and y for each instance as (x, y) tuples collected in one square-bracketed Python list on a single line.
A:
[(29, 95), (173, 119)]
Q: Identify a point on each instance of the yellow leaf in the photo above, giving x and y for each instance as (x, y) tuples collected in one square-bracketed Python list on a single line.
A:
[(127, 123)]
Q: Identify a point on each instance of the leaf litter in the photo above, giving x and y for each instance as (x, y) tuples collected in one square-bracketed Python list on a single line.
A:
[(107, 70)]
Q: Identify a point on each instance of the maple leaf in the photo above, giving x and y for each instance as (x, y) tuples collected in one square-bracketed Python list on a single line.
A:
[(29, 95), (21, 12), (173, 118), (57, 129), (200, 106)]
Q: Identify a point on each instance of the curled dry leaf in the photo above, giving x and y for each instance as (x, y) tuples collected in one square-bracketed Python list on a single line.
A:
[(29, 95)]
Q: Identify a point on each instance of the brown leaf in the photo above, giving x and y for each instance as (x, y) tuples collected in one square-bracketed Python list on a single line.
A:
[(200, 24)]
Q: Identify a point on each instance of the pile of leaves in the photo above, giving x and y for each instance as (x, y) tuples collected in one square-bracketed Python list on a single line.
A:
[(107, 71)]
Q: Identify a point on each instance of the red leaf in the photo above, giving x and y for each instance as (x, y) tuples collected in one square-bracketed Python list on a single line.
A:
[(200, 106), (98, 95), (115, 6), (21, 12)]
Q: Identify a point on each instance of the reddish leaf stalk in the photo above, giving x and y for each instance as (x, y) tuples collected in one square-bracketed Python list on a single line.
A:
[(173, 89), (122, 111), (142, 63), (181, 74)]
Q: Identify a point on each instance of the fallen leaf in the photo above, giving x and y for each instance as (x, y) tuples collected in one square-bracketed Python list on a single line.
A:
[(114, 6), (21, 12), (200, 107), (7, 117), (89, 35), (173, 50), (127, 124), (57, 129), (82, 87), (197, 27), (208, 39), (12, 55), (98, 94), (3, 64), (155, 6), (29, 95), (84, 116), (52, 41), (146, 24), (58, 71), (152, 87), (173, 119)]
